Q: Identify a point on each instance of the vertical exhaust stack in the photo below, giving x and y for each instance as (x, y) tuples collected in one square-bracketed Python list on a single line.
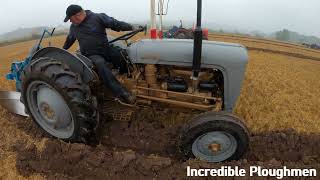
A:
[(197, 47), (153, 28)]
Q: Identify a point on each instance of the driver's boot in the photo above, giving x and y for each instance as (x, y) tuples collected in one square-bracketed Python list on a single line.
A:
[(128, 97), (121, 92)]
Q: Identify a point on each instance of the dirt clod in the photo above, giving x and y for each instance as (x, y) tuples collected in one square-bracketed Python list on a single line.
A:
[(125, 157), (155, 162)]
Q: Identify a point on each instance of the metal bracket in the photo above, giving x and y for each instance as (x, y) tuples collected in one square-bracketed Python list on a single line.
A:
[(160, 10)]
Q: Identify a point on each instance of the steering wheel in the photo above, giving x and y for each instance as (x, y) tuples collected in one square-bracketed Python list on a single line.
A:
[(129, 35)]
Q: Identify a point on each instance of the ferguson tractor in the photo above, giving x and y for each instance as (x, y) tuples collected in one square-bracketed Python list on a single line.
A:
[(62, 93)]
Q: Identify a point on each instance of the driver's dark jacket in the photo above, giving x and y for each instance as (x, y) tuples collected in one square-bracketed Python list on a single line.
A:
[(91, 33)]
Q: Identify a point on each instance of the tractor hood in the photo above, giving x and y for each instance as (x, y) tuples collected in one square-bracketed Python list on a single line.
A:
[(229, 58)]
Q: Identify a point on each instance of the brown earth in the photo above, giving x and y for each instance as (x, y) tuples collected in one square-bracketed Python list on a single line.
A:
[(279, 102)]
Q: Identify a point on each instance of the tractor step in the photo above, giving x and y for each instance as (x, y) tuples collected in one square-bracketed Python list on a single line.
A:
[(118, 111)]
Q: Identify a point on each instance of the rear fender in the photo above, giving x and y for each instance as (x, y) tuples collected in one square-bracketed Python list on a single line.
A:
[(77, 64)]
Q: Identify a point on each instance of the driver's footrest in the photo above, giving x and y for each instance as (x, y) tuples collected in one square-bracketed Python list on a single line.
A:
[(118, 111)]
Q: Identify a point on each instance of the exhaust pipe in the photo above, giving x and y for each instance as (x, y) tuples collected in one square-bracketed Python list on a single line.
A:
[(197, 46)]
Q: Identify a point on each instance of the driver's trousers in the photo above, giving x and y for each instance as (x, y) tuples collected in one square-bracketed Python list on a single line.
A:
[(106, 75)]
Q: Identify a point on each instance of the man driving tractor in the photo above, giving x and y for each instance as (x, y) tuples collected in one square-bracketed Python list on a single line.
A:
[(89, 29)]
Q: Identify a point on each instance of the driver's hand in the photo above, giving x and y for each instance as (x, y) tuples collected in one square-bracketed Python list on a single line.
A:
[(136, 27)]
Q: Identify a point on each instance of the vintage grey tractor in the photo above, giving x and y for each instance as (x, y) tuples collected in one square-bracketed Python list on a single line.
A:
[(62, 93)]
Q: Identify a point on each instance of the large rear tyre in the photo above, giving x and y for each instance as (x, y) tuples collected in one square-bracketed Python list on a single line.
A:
[(215, 137), (58, 101)]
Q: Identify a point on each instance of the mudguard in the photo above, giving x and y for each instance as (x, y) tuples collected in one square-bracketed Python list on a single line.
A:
[(231, 59), (77, 63)]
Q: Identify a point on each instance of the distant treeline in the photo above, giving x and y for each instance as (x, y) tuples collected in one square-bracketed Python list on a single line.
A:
[(30, 38)]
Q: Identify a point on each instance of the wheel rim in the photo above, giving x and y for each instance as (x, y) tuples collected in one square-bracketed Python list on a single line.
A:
[(214, 146), (50, 110)]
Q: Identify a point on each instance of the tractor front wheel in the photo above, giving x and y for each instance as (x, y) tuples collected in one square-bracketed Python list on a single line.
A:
[(215, 137), (58, 101)]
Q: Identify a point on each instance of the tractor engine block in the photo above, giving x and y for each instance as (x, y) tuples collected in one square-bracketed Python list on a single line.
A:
[(173, 85)]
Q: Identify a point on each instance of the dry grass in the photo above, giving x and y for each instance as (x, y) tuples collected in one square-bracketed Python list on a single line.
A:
[(10, 135), (270, 45), (19, 51), (10, 132), (279, 92)]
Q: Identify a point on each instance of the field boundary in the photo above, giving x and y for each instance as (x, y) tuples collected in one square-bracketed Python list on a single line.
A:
[(256, 38), (282, 44), (284, 53)]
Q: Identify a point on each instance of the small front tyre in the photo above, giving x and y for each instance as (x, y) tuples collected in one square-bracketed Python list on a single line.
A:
[(215, 137)]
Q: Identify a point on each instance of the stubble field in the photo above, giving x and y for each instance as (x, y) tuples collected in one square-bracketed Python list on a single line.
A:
[(279, 102)]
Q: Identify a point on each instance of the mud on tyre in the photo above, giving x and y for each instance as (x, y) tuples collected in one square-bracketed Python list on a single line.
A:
[(58, 100)]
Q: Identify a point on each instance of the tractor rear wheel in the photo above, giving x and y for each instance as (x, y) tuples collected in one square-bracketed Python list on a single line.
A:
[(58, 101), (215, 137)]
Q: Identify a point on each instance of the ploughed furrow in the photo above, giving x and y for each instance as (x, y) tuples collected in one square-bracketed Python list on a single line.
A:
[(263, 42)]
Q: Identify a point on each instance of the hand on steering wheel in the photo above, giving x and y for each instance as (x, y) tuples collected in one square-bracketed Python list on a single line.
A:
[(136, 27), (129, 35)]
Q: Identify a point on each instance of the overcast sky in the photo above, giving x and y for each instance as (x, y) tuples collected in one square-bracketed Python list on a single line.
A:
[(263, 15)]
